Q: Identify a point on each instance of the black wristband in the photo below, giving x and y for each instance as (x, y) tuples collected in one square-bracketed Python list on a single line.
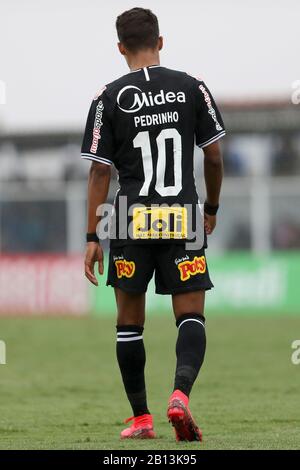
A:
[(92, 237), (210, 210)]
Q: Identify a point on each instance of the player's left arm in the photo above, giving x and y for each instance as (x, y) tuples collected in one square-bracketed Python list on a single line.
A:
[(208, 132)]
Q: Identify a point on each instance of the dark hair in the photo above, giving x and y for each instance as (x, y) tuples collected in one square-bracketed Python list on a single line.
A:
[(138, 29)]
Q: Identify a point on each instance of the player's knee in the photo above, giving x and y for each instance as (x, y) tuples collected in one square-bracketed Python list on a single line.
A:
[(188, 302)]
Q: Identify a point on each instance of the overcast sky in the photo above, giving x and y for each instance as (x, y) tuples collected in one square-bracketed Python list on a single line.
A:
[(55, 54)]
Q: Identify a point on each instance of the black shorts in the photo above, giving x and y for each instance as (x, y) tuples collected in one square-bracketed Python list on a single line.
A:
[(131, 267)]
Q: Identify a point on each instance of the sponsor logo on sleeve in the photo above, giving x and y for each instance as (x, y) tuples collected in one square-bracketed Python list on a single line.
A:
[(97, 127), (191, 268), (211, 109), (125, 268)]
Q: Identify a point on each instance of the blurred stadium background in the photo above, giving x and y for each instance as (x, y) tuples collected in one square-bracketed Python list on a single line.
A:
[(254, 255), (254, 250)]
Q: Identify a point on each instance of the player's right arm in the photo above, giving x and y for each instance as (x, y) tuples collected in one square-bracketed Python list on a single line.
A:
[(97, 146)]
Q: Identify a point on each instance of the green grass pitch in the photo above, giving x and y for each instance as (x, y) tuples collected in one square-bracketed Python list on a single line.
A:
[(61, 389)]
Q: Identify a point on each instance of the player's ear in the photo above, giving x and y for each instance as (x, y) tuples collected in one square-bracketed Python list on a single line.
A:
[(160, 43), (121, 48)]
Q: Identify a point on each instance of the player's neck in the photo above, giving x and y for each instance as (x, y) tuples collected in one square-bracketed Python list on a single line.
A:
[(143, 59)]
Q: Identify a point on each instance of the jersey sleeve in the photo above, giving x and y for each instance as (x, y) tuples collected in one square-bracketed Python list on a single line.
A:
[(209, 122), (98, 142)]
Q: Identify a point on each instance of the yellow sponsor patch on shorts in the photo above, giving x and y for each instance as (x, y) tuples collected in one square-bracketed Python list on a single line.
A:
[(125, 268), (160, 222)]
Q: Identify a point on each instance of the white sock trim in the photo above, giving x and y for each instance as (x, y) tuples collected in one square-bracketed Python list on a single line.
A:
[(126, 333), (135, 338), (191, 319)]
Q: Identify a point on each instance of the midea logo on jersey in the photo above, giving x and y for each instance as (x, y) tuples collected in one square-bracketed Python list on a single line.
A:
[(140, 98)]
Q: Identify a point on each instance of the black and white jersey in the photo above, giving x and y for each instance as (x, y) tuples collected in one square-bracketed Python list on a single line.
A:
[(147, 123)]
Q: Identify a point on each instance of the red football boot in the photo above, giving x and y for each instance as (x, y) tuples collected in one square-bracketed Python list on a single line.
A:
[(181, 419), (141, 428)]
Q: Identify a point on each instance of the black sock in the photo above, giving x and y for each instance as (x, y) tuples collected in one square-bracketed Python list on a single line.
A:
[(190, 350), (132, 358)]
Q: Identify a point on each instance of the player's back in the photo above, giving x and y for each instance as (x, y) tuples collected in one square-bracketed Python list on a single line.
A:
[(154, 121)]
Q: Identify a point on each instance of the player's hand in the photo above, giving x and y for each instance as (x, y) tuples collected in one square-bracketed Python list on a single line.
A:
[(209, 223), (93, 254)]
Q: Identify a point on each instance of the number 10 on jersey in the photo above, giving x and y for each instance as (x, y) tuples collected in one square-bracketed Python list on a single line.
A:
[(142, 141)]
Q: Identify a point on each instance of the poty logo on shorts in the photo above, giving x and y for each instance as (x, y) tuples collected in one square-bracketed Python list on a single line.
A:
[(139, 98), (211, 109), (190, 268), (125, 268), (97, 127)]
